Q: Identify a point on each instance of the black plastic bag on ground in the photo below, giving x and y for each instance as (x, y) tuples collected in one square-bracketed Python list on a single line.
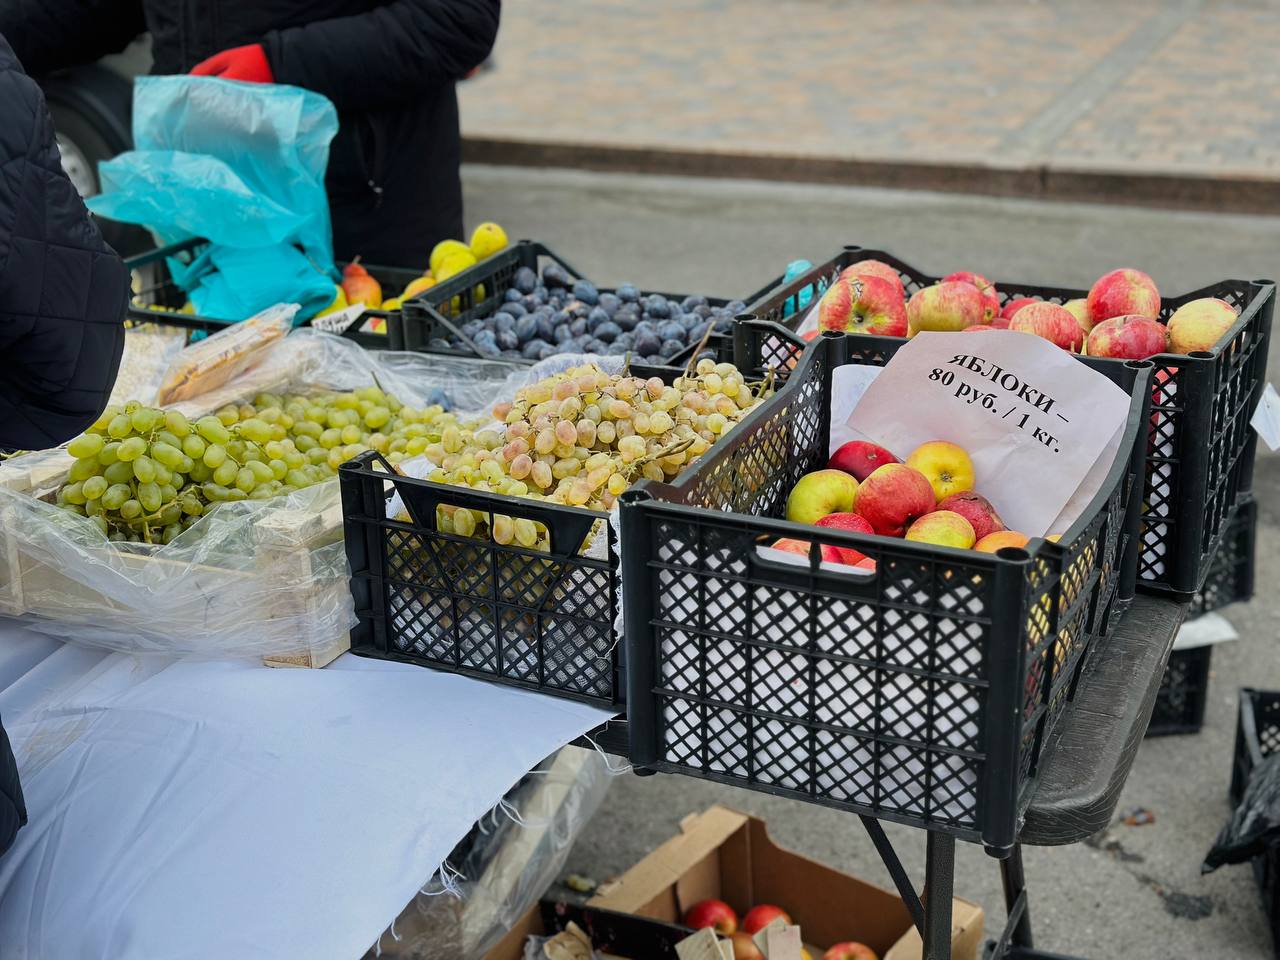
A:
[(1255, 824)]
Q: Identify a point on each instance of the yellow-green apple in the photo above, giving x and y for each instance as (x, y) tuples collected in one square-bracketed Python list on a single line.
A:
[(1200, 324), (1010, 308), (828, 553), (1050, 321), (744, 947), (1122, 293), (975, 508), (945, 307), (944, 528), (990, 299), (851, 523), (715, 914), (1128, 338), (761, 915), (863, 305), (850, 950), (892, 497), (1080, 310), (945, 465), (819, 493), (1001, 539), (876, 268), (859, 458)]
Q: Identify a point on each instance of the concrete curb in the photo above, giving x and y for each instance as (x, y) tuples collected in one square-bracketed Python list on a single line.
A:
[(1220, 193)]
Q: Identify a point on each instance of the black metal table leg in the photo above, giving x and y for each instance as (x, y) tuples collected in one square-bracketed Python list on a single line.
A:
[(939, 882), (1015, 899)]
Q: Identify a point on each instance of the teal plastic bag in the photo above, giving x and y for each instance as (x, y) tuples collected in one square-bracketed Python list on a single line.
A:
[(241, 165)]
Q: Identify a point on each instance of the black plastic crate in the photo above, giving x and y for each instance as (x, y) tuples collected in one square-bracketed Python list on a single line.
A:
[(434, 319), (933, 708), (161, 292), (1184, 688), (1202, 448), (501, 612), (1258, 736)]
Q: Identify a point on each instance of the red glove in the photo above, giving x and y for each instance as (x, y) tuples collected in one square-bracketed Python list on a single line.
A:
[(239, 63)]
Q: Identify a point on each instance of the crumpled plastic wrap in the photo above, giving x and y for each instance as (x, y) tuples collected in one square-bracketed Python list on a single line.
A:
[(261, 578), (505, 864)]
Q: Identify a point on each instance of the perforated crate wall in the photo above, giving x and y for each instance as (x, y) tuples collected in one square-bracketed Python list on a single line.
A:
[(501, 612), (921, 693), (1202, 449)]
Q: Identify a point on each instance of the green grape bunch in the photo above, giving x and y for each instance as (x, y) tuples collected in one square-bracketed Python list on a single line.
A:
[(145, 475), (583, 436)]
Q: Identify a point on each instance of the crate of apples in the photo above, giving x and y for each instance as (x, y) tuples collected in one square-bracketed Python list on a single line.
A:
[(1119, 318), (928, 498), (719, 916)]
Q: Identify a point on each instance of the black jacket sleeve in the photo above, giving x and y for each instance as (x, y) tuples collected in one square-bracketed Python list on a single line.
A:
[(387, 55), (13, 807), (53, 34), (63, 291)]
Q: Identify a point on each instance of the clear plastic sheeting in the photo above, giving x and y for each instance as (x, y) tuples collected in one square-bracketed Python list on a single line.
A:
[(504, 865), (254, 578), (264, 578)]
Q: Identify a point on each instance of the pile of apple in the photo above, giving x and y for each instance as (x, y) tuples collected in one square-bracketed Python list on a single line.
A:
[(928, 499), (719, 916), (1120, 317)]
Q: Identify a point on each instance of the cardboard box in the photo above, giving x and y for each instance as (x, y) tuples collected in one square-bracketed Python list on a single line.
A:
[(614, 936), (728, 855)]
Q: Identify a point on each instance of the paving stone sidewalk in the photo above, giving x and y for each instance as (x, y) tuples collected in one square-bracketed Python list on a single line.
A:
[(1165, 102)]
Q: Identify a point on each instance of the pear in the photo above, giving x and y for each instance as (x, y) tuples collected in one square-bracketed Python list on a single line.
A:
[(359, 286)]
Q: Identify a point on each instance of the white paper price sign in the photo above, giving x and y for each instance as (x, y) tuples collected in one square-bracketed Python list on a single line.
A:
[(1041, 427)]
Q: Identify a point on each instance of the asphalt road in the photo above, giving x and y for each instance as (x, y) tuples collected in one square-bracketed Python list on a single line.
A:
[(1136, 892)]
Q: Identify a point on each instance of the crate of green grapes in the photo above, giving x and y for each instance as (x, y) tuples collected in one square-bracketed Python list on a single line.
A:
[(204, 528), (501, 563)]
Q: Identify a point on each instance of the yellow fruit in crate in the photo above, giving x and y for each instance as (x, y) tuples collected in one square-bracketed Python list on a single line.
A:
[(443, 249), (415, 287), (392, 304), (188, 307), (487, 239), (339, 302), (454, 264)]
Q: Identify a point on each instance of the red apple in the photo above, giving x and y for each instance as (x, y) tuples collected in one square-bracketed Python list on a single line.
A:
[(1013, 306), (712, 913), (1050, 321), (830, 554), (990, 299), (892, 497), (761, 915), (1200, 324), (876, 268), (860, 458), (850, 950), (863, 305), (819, 493), (1122, 293), (852, 523), (1001, 539), (979, 328), (1128, 338), (948, 307), (975, 508)]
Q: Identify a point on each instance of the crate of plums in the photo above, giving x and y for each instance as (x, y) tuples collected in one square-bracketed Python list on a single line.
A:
[(808, 616), (1209, 348), (527, 304)]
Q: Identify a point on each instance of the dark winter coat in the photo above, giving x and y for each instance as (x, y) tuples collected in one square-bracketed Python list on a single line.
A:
[(389, 67), (63, 291)]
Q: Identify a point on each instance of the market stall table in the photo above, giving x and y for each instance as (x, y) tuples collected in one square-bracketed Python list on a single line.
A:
[(225, 809)]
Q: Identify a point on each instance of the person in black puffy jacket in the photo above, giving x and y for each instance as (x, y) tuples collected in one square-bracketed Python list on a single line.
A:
[(63, 294), (389, 66)]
